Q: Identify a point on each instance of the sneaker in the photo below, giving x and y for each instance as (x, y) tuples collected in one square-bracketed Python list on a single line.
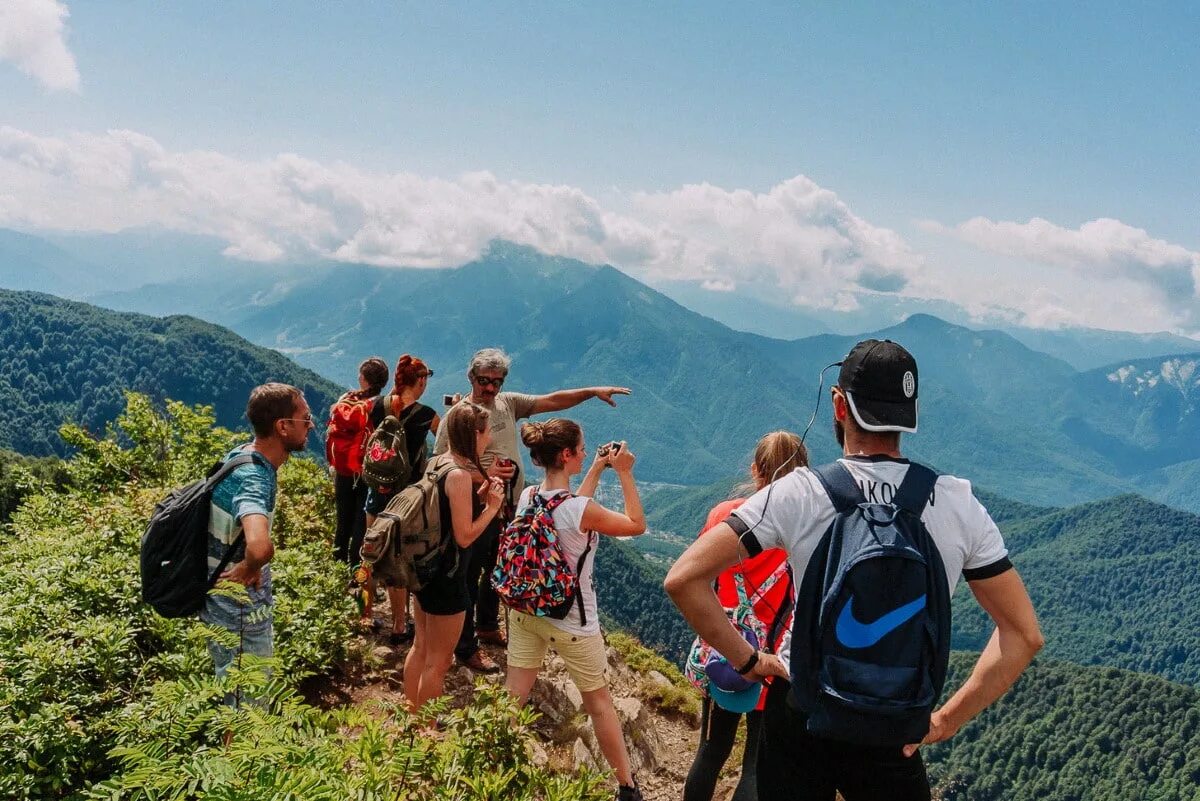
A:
[(480, 663), (626, 793), (493, 637)]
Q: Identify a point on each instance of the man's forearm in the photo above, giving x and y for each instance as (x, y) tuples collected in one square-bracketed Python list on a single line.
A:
[(564, 399), (1005, 657)]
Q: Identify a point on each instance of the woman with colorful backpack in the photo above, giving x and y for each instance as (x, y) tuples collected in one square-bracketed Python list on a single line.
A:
[(467, 502), (757, 593), (417, 420), (345, 436), (547, 555)]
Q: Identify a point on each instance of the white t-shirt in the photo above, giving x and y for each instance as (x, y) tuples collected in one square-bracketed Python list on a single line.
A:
[(800, 512), (567, 521)]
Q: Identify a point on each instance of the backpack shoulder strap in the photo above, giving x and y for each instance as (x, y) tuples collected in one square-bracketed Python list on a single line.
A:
[(554, 501), (841, 487), (225, 470), (913, 492)]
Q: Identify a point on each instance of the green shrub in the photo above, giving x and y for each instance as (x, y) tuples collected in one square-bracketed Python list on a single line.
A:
[(77, 648), (171, 748)]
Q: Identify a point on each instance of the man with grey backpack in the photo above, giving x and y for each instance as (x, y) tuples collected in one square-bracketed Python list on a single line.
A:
[(877, 545)]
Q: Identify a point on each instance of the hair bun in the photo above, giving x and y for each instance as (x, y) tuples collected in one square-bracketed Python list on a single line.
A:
[(533, 433)]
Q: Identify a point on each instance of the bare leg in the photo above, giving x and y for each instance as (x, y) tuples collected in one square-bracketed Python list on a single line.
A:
[(414, 662), (599, 706), (441, 634), (399, 601), (519, 682)]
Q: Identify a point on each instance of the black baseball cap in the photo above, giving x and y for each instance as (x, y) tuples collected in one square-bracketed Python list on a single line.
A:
[(879, 378)]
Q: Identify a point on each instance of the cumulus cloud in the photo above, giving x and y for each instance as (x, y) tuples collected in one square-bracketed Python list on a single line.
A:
[(32, 38), (1125, 263), (287, 207), (797, 235)]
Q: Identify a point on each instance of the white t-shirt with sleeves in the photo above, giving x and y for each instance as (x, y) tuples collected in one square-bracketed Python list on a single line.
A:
[(568, 519), (799, 512)]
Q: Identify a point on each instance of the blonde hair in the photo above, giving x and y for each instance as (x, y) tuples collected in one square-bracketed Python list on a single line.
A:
[(776, 454)]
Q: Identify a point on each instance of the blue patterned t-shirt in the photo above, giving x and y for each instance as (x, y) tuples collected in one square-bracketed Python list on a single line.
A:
[(248, 490)]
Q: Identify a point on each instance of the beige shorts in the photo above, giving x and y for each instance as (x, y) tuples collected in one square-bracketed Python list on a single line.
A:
[(585, 657)]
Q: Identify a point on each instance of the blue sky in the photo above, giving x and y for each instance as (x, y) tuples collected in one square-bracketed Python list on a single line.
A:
[(916, 119)]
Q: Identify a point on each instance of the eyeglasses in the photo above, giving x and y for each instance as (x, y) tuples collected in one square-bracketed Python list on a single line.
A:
[(308, 421), (484, 381), (426, 375)]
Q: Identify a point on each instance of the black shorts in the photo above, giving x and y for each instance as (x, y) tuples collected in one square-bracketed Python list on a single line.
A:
[(445, 595), (794, 764)]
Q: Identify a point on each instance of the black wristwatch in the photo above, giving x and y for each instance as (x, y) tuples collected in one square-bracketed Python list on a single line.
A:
[(750, 663)]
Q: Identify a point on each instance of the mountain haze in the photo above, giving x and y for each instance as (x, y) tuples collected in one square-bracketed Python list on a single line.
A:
[(1011, 418)]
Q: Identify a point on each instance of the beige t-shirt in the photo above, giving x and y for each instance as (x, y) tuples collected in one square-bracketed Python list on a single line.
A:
[(508, 408)]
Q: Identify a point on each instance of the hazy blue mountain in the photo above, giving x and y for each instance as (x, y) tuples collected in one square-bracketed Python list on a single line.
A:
[(1137, 415), (34, 264), (61, 360), (991, 407), (1090, 348)]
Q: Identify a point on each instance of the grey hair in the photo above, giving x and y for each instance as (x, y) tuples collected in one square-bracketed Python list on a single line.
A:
[(490, 359)]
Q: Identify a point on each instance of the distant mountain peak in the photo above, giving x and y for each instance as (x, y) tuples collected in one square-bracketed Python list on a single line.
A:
[(1179, 372)]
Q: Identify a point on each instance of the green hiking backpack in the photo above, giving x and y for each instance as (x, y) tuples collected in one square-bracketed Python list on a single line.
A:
[(404, 547), (386, 462)]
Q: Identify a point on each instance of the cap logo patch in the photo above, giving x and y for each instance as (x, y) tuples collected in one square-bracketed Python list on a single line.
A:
[(910, 384)]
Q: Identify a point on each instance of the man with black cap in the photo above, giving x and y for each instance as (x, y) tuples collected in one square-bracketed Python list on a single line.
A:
[(874, 402)]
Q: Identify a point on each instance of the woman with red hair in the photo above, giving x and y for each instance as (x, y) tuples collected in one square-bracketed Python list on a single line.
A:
[(412, 376)]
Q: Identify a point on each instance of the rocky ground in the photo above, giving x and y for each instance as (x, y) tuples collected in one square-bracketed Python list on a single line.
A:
[(662, 744)]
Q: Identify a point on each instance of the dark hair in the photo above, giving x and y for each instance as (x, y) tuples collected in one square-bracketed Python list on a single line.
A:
[(270, 403), (375, 371), (547, 440), (409, 370), (463, 423)]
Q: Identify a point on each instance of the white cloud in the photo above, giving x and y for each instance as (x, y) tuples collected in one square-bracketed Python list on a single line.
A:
[(1108, 274), (797, 234), (797, 240), (32, 38)]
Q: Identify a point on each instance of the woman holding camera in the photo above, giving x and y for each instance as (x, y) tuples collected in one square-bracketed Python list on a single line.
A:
[(557, 446)]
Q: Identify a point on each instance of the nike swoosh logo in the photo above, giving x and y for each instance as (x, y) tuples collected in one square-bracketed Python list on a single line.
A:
[(854, 634)]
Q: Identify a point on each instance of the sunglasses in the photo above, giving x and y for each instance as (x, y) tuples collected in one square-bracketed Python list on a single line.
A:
[(484, 381), (308, 421)]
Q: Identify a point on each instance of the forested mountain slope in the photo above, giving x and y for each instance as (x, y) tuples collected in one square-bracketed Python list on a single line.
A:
[(1113, 582), (66, 361), (1071, 733)]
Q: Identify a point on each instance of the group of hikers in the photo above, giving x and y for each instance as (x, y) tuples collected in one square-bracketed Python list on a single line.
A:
[(820, 596)]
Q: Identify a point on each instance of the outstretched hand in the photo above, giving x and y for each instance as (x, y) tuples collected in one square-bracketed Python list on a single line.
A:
[(939, 729), (605, 393)]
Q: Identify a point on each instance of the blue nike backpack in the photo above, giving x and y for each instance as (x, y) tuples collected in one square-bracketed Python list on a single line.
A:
[(871, 636)]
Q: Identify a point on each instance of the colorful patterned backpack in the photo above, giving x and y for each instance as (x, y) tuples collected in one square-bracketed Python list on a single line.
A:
[(532, 574)]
